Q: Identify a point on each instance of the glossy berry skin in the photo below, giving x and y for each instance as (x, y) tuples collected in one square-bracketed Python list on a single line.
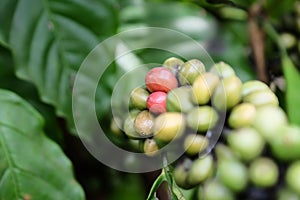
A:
[(160, 79), (156, 102)]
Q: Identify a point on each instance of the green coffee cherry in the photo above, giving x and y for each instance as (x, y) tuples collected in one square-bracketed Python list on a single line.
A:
[(287, 194), (223, 70), (242, 115), (173, 64), (114, 128), (292, 176), (201, 169), (227, 93), (129, 126), (136, 145), (194, 144), (181, 173), (233, 174), (150, 147), (246, 142), (214, 190), (269, 120), (169, 126), (285, 145), (253, 86), (179, 99), (224, 153), (202, 118), (189, 71), (138, 98), (263, 172), (204, 86), (262, 98), (144, 123), (288, 40)]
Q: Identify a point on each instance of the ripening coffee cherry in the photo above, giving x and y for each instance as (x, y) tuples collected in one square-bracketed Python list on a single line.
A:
[(160, 79), (246, 142), (156, 102), (263, 172), (189, 71), (201, 170), (195, 143), (138, 98), (222, 69), (144, 123), (268, 120), (129, 125), (253, 86), (227, 93), (203, 87), (286, 145), (168, 126), (150, 147), (233, 174), (202, 118), (292, 176), (262, 98), (180, 99), (181, 172), (214, 190), (173, 64), (242, 115)]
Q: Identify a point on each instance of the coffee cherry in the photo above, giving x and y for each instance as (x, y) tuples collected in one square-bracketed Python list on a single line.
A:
[(285, 145), (169, 126), (150, 147), (138, 98), (180, 100), (194, 144), (262, 98), (246, 142), (288, 40), (292, 176), (287, 194), (189, 71), (233, 174), (173, 64), (203, 87), (222, 69), (268, 120), (202, 118), (214, 190), (129, 125), (156, 102), (253, 86), (181, 172), (263, 172), (143, 123), (160, 79), (242, 115), (201, 170), (224, 153), (227, 93)]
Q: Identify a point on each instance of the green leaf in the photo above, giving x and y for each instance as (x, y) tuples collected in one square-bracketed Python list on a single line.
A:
[(50, 42), (32, 166), (292, 77)]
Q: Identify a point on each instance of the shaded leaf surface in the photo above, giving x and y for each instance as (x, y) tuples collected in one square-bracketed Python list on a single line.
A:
[(50, 39), (32, 166)]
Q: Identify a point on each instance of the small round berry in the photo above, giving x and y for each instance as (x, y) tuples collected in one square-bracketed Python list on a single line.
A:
[(160, 79), (156, 102)]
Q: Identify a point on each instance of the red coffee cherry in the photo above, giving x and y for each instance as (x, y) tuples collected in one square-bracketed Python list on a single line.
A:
[(156, 102), (160, 79)]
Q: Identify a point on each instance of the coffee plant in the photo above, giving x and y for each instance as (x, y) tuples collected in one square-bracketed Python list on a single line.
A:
[(149, 99)]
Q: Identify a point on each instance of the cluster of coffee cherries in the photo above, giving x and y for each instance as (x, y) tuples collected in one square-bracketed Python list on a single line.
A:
[(258, 151)]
